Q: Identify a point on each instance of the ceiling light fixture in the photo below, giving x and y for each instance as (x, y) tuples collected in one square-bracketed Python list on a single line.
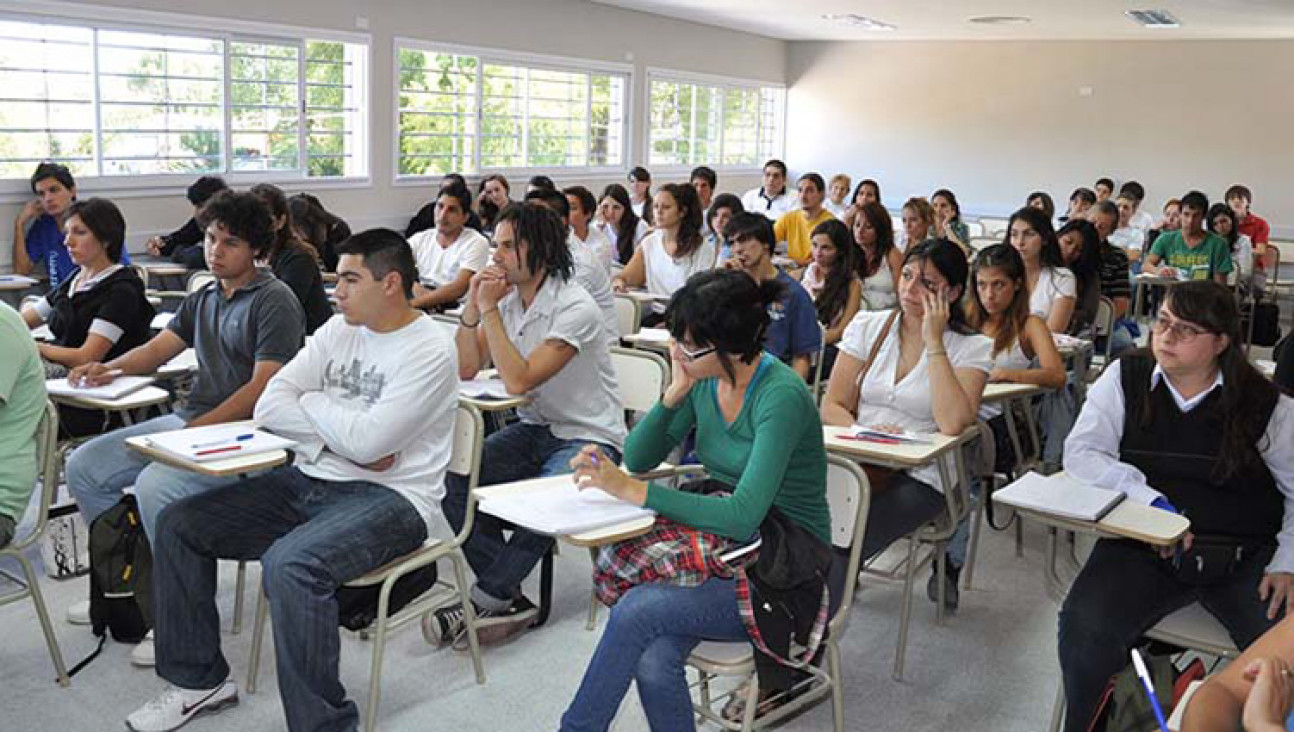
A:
[(860, 21), (1000, 20), (1158, 19)]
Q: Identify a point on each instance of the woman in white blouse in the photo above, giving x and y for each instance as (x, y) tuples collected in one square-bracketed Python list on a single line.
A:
[(1053, 289), (672, 252), (927, 376), (880, 261)]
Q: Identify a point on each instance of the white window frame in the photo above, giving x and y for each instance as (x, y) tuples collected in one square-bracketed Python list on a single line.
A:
[(655, 73), (231, 30), (486, 56)]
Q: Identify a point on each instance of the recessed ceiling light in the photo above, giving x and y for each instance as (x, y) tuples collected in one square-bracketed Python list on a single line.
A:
[(1000, 20), (860, 21), (1153, 18)]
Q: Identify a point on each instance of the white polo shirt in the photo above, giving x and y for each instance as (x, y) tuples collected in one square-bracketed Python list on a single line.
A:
[(756, 202), (439, 266), (601, 246), (582, 401), (597, 282)]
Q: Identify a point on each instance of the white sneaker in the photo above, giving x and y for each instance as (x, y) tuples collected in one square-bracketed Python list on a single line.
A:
[(78, 613), (176, 706), (145, 654)]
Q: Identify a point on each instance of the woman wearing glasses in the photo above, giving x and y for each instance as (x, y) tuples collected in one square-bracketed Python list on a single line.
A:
[(757, 431), (1188, 426)]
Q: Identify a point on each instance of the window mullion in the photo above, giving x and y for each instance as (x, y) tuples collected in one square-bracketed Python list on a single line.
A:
[(303, 117), (226, 134), (96, 95), (723, 122)]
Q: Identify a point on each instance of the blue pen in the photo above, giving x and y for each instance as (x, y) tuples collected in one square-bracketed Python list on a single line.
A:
[(217, 443), (1140, 665)]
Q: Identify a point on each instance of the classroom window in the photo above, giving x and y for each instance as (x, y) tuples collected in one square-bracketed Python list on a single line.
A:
[(469, 113), (116, 103), (696, 123)]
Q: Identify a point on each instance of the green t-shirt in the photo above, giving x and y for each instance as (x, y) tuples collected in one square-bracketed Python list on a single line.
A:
[(1212, 254), (22, 402), (772, 453)]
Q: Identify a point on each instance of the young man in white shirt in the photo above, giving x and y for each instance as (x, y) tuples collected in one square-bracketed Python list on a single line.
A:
[(1136, 194), (370, 402), (772, 199), (546, 337), (704, 180), (583, 206), (589, 273), (449, 254)]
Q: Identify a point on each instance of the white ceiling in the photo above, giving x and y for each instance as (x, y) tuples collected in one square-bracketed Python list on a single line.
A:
[(801, 20)]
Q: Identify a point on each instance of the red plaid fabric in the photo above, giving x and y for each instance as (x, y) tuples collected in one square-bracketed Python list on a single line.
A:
[(670, 553)]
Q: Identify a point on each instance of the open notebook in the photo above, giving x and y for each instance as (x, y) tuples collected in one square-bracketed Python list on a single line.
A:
[(217, 442), (556, 506), (122, 386), (1059, 495)]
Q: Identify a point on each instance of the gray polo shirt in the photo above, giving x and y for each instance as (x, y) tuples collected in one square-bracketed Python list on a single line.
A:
[(263, 321)]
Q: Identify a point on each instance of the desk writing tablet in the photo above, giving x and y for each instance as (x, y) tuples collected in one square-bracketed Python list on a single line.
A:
[(897, 456)]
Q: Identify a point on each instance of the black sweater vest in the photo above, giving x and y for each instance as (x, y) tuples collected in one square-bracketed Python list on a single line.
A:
[(1178, 451)]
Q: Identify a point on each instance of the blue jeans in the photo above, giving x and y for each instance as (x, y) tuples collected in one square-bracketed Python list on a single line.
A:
[(650, 634), (311, 536), (100, 471), (517, 452)]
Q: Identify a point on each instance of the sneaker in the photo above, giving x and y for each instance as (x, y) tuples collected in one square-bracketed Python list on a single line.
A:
[(176, 706), (496, 627), (952, 578), (442, 627), (78, 613), (144, 655)]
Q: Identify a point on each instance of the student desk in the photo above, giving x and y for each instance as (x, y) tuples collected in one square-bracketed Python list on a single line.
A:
[(648, 342), (645, 297), (1005, 394), (488, 405), (13, 287), (1143, 282), (149, 396)]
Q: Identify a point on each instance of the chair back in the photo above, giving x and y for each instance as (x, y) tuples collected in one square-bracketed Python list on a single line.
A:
[(47, 464), (974, 228), (628, 315), (465, 459), (198, 280), (849, 495), (818, 360), (641, 376)]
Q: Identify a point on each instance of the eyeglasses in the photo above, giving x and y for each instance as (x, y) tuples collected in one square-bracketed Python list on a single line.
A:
[(1184, 332), (689, 355)]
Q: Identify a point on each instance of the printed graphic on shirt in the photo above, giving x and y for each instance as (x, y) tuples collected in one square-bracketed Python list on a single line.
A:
[(355, 382)]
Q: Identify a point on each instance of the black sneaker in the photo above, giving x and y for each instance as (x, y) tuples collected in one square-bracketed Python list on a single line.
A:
[(498, 626), (444, 626), (952, 577)]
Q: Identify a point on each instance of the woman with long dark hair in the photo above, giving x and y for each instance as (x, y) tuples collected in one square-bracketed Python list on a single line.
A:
[(492, 196), (293, 261), (617, 220), (1052, 288), (724, 207), (673, 251), (318, 227), (948, 218), (1221, 220), (1188, 426), (1080, 250), (831, 279), (879, 261)]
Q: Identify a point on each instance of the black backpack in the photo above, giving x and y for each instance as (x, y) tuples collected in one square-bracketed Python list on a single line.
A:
[(357, 606), (121, 577)]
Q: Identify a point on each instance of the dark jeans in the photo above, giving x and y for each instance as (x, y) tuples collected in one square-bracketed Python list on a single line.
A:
[(897, 510), (310, 536), (517, 452), (1123, 590)]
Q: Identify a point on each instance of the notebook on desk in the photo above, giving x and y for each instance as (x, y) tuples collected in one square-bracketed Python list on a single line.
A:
[(217, 442), (1059, 495), (556, 505), (122, 386)]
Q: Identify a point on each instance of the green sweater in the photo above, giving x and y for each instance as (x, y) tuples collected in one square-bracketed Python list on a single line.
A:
[(772, 453)]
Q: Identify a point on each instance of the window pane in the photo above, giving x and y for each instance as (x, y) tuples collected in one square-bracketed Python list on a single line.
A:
[(503, 116), (684, 123), (335, 107), (772, 122), (265, 106), (46, 98), (607, 122), (741, 127), (437, 112)]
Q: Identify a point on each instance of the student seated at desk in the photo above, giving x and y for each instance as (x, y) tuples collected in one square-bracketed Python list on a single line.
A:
[(928, 374), (1052, 288), (832, 281), (370, 402), (1257, 688), (38, 236), (771, 200), (1080, 201), (725, 206), (1041, 200), (918, 223), (22, 404), (546, 337), (793, 334), (184, 245), (97, 314), (618, 222), (948, 218), (880, 261), (588, 271), (448, 254), (672, 252), (795, 227), (1192, 252), (1080, 252), (1115, 276), (1189, 427), (640, 197), (1221, 221), (318, 227), (583, 207), (492, 196), (867, 191), (425, 218), (757, 432), (293, 261)]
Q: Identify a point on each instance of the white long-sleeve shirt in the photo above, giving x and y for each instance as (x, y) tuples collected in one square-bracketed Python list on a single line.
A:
[(353, 396), (1092, 450)]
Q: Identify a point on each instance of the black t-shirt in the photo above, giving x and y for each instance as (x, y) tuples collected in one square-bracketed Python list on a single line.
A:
[(118, 299), (299, 271)]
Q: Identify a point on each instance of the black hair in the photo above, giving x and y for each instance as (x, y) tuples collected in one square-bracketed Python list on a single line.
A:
[(1041, 223), (1222, 209), (452, 179), (830, 303), (1006, 258), (866, 182), (312, 220), (459, 193), (751, 226), (724, 309), (1247, 396), (56, 171), (952, 201), (689, 225), (1107, 182), (706, 174), (627, 229), (1240, 191), (1087, 268), (1134, 189), (1048, 205), (776, 164), (286, 236), (104, 220), (723, 200), (1086, 195), (553, 200), (384, 251), (950, 261), (242, 215), (879, 218), (639, 174), (541, 181), (816, 179), (545, 237), (1195, 200), (202, 189), (588, 204)]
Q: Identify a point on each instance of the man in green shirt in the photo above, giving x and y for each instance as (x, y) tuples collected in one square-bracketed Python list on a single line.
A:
[(22, 402), (1191, 252)]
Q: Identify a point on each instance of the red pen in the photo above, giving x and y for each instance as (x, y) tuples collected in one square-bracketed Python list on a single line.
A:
[(217, 450)]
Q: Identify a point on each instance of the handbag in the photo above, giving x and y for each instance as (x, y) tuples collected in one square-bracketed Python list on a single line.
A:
[(877, 476)]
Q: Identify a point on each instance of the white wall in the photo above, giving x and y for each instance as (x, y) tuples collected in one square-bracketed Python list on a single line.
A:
[(570, 28), (993, 121)]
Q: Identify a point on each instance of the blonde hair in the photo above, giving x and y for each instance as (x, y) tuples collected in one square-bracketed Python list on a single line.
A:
[(840, 178), (921, 207)]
